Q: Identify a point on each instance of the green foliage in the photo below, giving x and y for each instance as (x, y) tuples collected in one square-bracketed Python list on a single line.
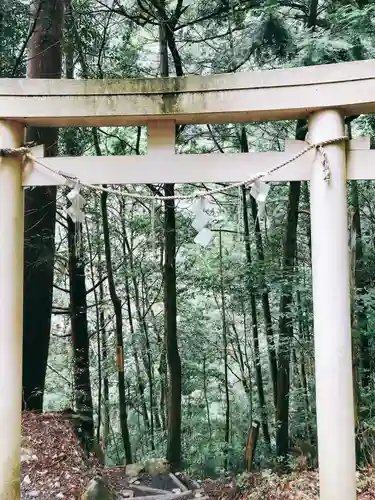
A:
[(13, 33), (216, 36)]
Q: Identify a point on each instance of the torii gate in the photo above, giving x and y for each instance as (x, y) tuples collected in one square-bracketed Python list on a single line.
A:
[(323, 94)]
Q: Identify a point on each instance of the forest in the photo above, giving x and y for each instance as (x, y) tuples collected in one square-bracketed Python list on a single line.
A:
[(164, 347)]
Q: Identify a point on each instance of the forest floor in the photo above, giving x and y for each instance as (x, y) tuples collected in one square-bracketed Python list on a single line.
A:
[(301, 485), (53, 466)]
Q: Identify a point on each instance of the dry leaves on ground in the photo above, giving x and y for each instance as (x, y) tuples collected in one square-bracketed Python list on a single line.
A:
[(296, 486), (53, 466), (52, 462)]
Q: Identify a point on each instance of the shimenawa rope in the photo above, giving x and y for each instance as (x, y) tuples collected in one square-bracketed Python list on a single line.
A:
[(25, 152)]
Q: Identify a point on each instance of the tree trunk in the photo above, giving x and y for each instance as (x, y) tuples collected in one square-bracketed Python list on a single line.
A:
[(143, 297), (361, 282), (225, 357), (80, 337), (161, 412), (145, 346), (98, 336), (302, 369), (306, 201), (254, 317), (205, 392), (170, 313), (163, 372), (170, 302), (140, 383), (141, 386), (361, 356), (104, 353), (313, 14), (119, 339), (40, 210), (265, 291), (77, 281), (243, 362), (285, 318), (286, 322)]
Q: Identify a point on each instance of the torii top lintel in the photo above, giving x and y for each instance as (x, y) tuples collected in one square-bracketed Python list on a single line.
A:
[(242, 97)]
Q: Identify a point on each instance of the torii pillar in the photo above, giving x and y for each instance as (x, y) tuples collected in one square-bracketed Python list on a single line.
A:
[(11, 300), (332, 328)]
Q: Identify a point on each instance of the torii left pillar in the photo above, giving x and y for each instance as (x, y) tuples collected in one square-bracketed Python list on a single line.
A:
[(11, 300)]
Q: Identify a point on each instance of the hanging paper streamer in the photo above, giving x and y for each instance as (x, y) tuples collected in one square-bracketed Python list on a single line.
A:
[(75, 211), (199, 204), (259, 192), (204, 237), (200, 222), (77, 201)]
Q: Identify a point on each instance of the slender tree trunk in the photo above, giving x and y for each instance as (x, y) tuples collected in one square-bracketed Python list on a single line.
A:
[(285, 317), (361, 281), (242, 362), (205, 392), (146, 348), (264, 287), (361, 355), (355, 333), (104, 352), (306, 201), (302, 369), (75, 42), (170, 302), (151, 373), (40, 210), (286, 322), (119, 325), (98, 335), (313, 14), (141, 385), (247, 360), (161, 412), (163, 384), (80, 337), (225, 357), (170, 313), (77, 281), (162, 341), (295, 370), (254, 316)]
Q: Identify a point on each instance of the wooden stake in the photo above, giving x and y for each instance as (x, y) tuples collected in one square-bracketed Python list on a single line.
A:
[(11, 289), (332, 334), (251, 444)]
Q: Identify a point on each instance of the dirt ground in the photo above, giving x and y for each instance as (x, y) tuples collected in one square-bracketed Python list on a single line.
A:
[(53, 466)]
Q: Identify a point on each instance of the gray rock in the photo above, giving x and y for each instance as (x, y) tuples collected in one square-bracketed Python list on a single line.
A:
[(134, 469), (157, 466), (97, 490)]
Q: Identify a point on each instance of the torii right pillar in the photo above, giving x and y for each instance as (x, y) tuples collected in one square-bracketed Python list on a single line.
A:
[(332, 328)]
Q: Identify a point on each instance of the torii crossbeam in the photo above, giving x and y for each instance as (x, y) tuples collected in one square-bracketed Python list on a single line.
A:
[(323, 94)]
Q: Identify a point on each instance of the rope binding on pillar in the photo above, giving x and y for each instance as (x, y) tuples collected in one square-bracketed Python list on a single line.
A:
[(9, 152)]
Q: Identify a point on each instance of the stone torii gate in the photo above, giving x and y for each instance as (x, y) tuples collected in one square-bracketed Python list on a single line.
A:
[(323, 94)]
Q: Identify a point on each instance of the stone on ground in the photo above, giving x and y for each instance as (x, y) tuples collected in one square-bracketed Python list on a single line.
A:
[(97, 490)]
